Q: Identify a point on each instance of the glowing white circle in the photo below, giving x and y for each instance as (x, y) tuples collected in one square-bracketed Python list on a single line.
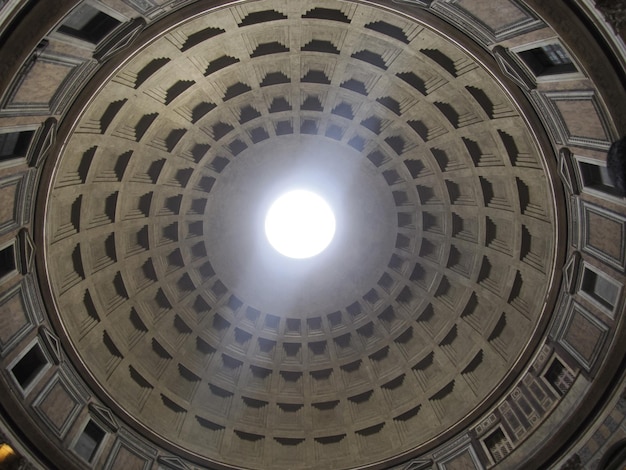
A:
[(300, 224)]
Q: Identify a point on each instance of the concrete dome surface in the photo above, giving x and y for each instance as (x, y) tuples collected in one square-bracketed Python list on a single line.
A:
[(468, 312)]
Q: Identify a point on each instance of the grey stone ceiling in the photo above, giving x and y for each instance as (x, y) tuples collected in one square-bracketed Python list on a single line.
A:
[(400, 333)]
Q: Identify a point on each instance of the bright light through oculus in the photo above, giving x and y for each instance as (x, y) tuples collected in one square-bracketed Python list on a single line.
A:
[(300, 224)]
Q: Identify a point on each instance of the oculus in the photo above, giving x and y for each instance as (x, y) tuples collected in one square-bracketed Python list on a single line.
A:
[(299, 224)]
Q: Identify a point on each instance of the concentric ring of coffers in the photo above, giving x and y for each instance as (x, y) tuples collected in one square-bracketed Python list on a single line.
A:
[(382, 345)]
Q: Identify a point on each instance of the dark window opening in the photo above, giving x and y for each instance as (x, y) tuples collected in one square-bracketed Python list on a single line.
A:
[(15, 144), (89, 24), (29, 366), (597, 177), (7, 261), (599, 289), (89, 441), (548, 60), (559, 377), (498, 445)]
